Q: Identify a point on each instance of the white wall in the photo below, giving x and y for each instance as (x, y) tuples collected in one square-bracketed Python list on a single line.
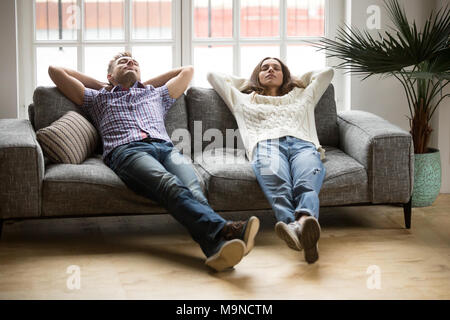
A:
[(385, 97), (441, 130), (8, 76), (441, 135)]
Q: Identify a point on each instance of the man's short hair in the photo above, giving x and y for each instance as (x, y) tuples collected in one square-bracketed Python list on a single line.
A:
[(117, 56)]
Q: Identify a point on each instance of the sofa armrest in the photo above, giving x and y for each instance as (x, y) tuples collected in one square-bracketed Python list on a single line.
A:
[(385, 150), (21, 170)]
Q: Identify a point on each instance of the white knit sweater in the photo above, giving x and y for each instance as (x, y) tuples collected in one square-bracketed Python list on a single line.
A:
[(266, 117)]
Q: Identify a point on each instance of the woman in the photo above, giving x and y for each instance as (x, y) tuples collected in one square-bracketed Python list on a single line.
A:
[(275, 115)]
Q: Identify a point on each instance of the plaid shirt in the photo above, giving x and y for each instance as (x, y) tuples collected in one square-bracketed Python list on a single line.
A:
[(124, 116)]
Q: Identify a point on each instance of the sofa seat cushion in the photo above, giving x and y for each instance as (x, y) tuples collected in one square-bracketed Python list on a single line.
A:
[(232, 185), (229, 179), (90, 188)]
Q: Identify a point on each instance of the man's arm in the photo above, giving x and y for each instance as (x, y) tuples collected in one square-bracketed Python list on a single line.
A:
[(72, 83), (162, 79), (178, 85), (176, 80)]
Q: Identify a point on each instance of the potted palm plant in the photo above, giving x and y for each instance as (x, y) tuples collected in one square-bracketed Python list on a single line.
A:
[(420, 60)]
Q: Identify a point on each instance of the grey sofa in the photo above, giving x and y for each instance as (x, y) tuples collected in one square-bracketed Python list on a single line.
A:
[(368, 161)]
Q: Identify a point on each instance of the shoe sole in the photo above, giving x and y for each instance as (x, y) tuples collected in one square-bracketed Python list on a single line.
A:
[(287, 235), (309, 237), (250, 233), (228, 256)]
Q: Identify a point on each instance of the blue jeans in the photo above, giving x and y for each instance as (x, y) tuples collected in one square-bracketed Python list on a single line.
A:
[(158, 171), (290, 173)]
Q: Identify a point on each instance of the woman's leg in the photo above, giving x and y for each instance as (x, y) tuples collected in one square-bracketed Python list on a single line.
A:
[(307, 173), (271, 167)]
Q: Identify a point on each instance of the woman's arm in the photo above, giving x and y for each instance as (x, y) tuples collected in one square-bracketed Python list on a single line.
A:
[(223, 85), (317, 82)]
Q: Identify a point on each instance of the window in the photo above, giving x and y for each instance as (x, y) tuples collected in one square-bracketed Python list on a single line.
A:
[(230, 36), (86, 34), (233, 36)]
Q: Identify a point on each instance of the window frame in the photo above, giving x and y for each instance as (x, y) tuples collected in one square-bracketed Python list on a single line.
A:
[(183, 41), (81, 43), (236, 41)]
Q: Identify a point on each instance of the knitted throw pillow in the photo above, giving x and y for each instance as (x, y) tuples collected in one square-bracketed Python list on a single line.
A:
[(70, 139)]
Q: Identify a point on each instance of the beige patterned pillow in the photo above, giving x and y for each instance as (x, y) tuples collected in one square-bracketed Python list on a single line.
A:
[(70, 139)]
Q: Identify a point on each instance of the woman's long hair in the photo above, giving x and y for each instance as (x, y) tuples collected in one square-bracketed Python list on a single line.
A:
[(288, 84)]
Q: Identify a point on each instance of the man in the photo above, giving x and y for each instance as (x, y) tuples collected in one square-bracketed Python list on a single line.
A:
[(129, 116)]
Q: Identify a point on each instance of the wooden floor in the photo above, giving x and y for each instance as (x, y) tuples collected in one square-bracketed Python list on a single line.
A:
[(153, 257)]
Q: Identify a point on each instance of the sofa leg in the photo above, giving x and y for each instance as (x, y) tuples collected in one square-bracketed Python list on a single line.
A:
[(407, 214)]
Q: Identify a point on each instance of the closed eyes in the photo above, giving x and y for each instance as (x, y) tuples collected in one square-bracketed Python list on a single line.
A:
[(266, 67), (124, 61)]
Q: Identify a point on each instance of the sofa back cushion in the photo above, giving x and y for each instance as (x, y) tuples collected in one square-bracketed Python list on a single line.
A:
[(205, 106), (49, 104), (326, 119), (176, 122), (208, 112)]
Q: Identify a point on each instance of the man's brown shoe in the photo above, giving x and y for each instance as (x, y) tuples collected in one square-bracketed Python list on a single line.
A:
[(309, 236), (243, 230), (290, 233)]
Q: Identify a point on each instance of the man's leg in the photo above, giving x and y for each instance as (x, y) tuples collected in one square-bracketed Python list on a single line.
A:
[(177, 164), (180, 166), (138, 165), (139, 168)]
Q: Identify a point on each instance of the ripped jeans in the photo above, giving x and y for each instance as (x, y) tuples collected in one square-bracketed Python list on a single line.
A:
[(290, 173)]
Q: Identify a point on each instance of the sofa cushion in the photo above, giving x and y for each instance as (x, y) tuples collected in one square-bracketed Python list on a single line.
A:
[(207, 111), (70, 139), (326, 119), (232, 185), (176, 122), (50, 105), (90, 188), (229, 179), (31, 115)]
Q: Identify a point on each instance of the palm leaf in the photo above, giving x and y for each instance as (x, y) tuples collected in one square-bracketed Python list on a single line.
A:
[(418, 58), (362, 54)]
